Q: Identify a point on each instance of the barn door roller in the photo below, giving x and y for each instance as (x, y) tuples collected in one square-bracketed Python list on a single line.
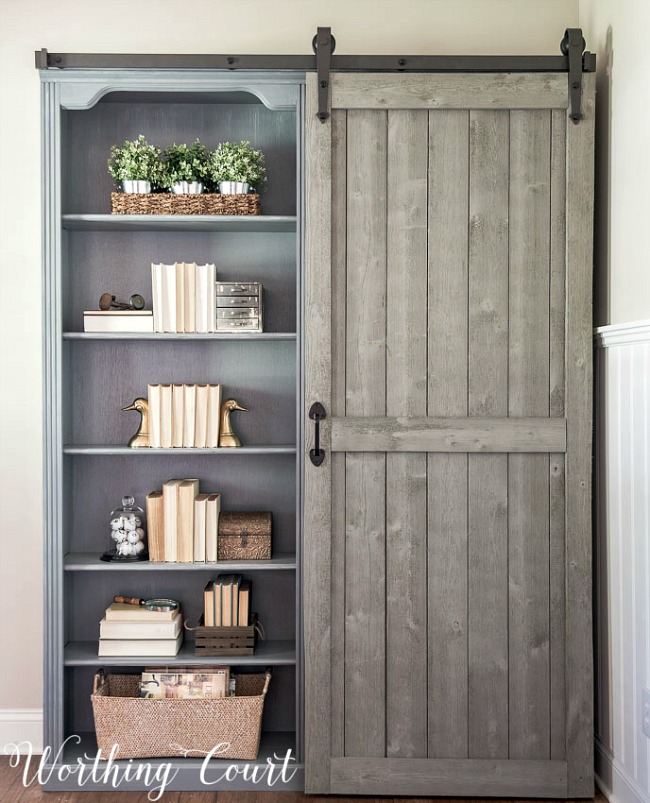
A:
[(573, 46), (323, 45)]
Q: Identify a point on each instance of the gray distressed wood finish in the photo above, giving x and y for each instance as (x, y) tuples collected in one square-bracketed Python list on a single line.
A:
[(460, 414), (89, 377)]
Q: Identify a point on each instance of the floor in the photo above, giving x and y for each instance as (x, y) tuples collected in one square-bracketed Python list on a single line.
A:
[(13, 791)]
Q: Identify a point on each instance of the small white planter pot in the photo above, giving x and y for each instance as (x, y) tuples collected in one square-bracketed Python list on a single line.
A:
[(142, 187), (187, 188), (234, 187)]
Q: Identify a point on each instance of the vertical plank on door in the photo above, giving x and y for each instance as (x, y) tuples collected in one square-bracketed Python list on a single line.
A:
[(406, 474), (365, 582), (556, 409), (318, 525), (488, 474), (339, 185), (447, 396), (528, 474), (578, 404)]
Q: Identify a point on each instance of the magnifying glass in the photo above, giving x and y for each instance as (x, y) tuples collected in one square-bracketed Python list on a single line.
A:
[(161, 604)]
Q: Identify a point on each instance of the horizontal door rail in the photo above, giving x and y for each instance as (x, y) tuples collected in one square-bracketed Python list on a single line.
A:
[(449, 435), (206, 61)]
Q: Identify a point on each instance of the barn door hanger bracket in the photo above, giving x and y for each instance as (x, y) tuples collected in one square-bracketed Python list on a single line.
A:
[(573, 46), (323, 45)]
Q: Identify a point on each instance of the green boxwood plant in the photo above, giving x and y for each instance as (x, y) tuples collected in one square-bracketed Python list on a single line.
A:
[(186, 163), (237, 162), (136, 160)]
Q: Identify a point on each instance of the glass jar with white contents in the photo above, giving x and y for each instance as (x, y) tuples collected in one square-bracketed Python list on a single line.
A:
[(127, 533)]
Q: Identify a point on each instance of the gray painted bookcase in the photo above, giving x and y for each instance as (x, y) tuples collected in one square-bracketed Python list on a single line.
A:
[(89, 377)]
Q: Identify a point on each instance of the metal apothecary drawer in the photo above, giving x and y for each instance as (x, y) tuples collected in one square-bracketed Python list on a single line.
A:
[(239, 307)]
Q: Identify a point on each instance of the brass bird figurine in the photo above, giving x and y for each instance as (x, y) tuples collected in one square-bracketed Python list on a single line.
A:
[(226, 436), (141, 437)]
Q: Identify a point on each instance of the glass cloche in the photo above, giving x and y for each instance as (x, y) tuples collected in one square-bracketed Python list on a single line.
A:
[(127, 533)]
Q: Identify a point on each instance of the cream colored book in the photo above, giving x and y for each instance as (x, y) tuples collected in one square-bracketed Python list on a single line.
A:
[(140, 630), (187, 490), (201, 416), (118, 320), (178, 404), (123, 612), (180, 297), (168, 284), (147, 648), (189, 414), (189, 277), (202, 300), (166, 419), (200, 509), (170, 518), (212, 298), (157, 296), (153, 397), (208, 604), (213, 507), (214, 408), (156, 526)]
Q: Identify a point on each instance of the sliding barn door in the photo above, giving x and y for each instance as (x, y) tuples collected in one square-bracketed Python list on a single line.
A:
[(447, 531)]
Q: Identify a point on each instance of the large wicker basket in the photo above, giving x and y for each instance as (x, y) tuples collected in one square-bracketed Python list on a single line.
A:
[(166, 203), (146, 728)]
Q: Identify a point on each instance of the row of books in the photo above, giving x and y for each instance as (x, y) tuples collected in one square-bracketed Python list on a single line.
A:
[(182, 523), (226, 601), (182, 416), (129, 630), (186, 683), (184, 297)]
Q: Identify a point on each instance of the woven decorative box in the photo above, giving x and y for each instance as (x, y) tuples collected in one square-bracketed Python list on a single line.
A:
[(167, 203), (244, 536), (145, 728)]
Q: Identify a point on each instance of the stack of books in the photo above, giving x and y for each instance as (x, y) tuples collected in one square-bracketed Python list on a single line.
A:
[(129, 630), (185, 683), (227, 601), (184, 416), (183, 523), (184, 298)]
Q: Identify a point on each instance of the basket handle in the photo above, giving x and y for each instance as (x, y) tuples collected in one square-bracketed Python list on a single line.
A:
[(267, 681), (98, 680)]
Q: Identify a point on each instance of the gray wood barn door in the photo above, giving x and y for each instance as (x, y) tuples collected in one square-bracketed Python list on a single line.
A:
[(447, 533)]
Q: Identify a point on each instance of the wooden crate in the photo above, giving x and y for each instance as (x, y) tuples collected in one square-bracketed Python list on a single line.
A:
[(224, 640)]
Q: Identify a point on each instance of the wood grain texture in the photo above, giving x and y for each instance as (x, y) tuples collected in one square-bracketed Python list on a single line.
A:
[(317, 506), (447, 396), (557, 618), (449, 91), (528, 475), (578, 406), (487, 474), (365, 592), (339, 308), (406, 474), (475, 434), (458, 777)]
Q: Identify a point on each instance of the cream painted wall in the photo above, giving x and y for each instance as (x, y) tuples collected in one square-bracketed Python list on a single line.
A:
[(617, 30), (248, 26)]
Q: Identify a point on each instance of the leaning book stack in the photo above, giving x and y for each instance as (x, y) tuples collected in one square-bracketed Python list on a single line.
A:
[(127, 631)]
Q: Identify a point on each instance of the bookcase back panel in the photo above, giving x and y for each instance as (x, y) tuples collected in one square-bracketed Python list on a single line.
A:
[(92, 132), (91, 593), (120, 262), (108, 375), (279, 706), (255, 482)]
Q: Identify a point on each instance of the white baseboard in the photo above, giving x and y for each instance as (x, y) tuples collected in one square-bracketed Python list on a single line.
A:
[(613, 780), (21, 725)]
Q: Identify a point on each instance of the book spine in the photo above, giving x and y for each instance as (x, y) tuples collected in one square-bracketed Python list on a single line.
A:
[(153, 397), (156, 296), (155, 534), (190, 296), (189, 410), (166, 420), (170, 518), (212, 298), (180, 296), (169, 298), (178, 404), (201, 416), (214, 408)]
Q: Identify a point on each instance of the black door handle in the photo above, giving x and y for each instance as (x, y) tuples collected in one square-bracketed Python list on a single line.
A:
[(317, 414)]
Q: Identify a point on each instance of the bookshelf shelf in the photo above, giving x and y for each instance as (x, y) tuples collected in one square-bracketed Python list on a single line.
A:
[(101, 449), (90, 562), (238, 223), (249, 336), (272, 653)]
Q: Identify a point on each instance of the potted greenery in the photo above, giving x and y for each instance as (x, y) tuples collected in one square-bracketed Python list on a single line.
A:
[(136, 165), (186, 168), (237, 168)]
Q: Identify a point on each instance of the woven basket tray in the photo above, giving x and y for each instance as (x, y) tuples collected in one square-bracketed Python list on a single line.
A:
[(166, 203), (145, 728)]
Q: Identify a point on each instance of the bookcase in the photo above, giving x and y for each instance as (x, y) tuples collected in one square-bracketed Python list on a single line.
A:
[(90, 376)]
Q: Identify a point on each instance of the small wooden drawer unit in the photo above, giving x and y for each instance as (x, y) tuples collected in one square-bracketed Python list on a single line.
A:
[(239, 307)]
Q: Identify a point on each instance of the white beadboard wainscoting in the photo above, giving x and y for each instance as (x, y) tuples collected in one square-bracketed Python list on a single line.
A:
[(622, 554)]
